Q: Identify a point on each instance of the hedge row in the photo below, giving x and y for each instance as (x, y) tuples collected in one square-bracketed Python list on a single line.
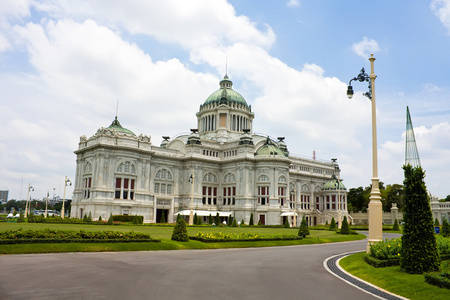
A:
[(441, 280), (128, 218), (243, 240), (62, 241), (378, 263), (71, 235)]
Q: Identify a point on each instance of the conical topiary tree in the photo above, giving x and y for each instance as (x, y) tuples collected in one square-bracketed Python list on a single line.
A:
[(178, 217), (110, 220), (333, 224), (210, 219), (303, 231), (436, 222), (195, 219), (89, 219), (326, 222), (419, 248), (163, 217), (217, 219), (445, 229), (136, 220), (242, 222), (396, 227), (85, 219), (259, 223), (230, 220), (100, 218), (344, 228), (250, 223), (286, 223), (234, 224), (199, 221), (180, 233)]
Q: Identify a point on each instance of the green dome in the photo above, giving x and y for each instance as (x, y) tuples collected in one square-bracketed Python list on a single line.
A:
[(270, 148), (117, 127), (226, 94), (333, 184)]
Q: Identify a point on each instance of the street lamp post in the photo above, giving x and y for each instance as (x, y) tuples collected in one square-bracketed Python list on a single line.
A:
[(375, 206), (46, 204), (66, 182), (191, 215), (339, 205), (30, 188)]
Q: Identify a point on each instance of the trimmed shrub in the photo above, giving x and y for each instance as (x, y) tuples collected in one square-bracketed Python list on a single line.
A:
[(21, 218), (396, 227), (110, 220), (303, 231), (217, 219), (199, 220), (344, 228), (286, 223), (242, 222), (234, 224), (136, 220), (419, 248), (333, 225), (445, 228), (126, 219), (436, 222), (326, 222), (85, 218), (180, 233), (210, 219), (250, 223), (230, 220), (178, 217), (163, 217), (100, 218), (259, 223), (195, 219), (380, 263), (89, 218)]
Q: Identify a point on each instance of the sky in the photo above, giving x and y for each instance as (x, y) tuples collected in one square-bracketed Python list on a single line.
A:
[(65, 64)]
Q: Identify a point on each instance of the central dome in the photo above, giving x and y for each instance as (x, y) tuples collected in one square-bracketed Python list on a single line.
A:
[(226, 94)]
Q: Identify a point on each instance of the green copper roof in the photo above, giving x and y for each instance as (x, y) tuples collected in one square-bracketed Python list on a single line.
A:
[(333, 184), (270, 148), (117, 127), (226, 93)]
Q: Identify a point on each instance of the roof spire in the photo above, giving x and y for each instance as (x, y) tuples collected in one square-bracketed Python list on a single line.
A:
[(117, 107), (411, 152), (226, 66)]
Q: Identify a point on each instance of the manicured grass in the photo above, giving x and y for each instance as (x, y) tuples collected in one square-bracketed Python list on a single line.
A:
[(393, 279), (163, 233)]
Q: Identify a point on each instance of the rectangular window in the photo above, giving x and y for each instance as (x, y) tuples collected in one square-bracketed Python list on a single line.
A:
[(118, 188), (263, 193), (156, 188), (281, 195), (204, 195)]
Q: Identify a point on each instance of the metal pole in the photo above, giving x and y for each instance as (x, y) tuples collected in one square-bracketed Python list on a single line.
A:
[(64, 198), (26, 205), (191, 215), (46, 205), (339, 203), (375, 206)]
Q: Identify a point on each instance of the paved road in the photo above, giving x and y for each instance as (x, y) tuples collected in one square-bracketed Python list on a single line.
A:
[(294, 272)]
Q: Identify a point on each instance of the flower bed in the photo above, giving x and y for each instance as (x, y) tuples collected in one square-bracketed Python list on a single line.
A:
[(67, 236), (217, 237)]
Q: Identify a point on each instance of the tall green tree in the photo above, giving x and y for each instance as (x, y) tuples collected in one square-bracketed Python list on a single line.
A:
[(303, 231), (217, 219), (333, 225), (250, 223), (210, 219), (195, 222), (419, 247), (345, 229), (392, 194)]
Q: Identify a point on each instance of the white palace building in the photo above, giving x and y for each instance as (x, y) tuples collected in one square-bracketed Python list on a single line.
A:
[(235, 172)]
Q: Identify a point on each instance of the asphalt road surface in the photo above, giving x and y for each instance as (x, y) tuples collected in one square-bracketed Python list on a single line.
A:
[(294, 272)]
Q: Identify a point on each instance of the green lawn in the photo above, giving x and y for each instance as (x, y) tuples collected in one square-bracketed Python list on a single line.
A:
[(393, 279), (164, 234)]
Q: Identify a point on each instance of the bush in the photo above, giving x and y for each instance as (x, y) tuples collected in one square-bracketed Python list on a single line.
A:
[(30, 218), (344, 228), (199, 221), (259, 223), (180, 233), (234, 224), (110, 220), (250, 223), (436, 222), (195, 222), (380, 263), (217, 219), (85, 218), (100, 218), (136, 220), (333, 226), (303, 231), (89, 218), (163, 218), (210, 219), (419, 248), (242, 222), (445, 229), (126, 219), (396, 227), (286, 223)]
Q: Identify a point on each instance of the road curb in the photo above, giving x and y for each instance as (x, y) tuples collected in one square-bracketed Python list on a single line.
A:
[(331, 264)]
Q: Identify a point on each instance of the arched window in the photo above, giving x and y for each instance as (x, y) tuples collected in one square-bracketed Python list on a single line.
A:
[(125, 179), (209, 189), (87, 180), (229, 189), (163, 182)]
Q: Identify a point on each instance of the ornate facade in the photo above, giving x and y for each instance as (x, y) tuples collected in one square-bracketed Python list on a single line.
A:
[(221, 167)]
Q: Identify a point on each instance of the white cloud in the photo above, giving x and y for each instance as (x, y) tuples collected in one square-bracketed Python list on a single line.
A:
[(365, 47), (441, 8), (293, 3), (14, 9), (4, 44)]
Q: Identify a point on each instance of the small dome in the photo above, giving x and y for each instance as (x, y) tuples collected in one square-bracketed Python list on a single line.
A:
[(226, 94), (270, 148), (333, 184), (117, 127)]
